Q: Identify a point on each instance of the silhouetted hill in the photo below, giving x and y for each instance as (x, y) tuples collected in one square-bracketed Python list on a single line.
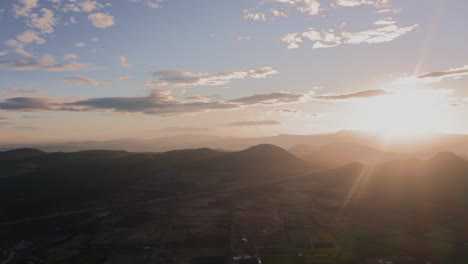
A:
[(412, 182), (17, 154), (262, 158)]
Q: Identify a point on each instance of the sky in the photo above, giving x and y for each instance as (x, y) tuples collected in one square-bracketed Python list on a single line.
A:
[(96, 70)]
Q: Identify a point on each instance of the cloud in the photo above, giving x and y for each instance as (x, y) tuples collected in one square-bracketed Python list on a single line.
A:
[(45, 22), (159, 102), (254, 16), (18, 48), (121, 78), (29, 37), (82, 6), (36, 104), (124, 62), (362, 94), (333, 38), (389, 11), (183, 79), (278, 13), (70, 56), (101, 20), (255, 123), (293, 113), (22, 91), (352, 3), (24, 7), (84, 81), (237, 36), (433, 77), (80, 44), (174, 129), (273, 98), (201, 98), (149, 3), (311, 7), (452, 73), (34, 117), (45, 63)]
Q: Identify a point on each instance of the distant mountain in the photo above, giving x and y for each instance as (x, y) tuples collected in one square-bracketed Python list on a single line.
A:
[(419, 147), (339, 154)]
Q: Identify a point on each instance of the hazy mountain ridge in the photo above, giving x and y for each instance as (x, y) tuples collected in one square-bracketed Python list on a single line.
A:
[(362, 142)]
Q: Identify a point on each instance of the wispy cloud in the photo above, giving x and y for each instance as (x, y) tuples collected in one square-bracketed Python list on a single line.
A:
[(176, 129), (347, 96), (149, 3), (433, 77), (452, 73), (70, 56), (352, 3), (36, 104), (184, 79), (124, 62), (22, 91), (159, 102), (80, 44), (45, 63), (84, 81), (255, 123)]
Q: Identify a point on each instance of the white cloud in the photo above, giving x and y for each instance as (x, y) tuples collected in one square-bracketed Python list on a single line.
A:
[(254, 16), (30, 36), (101, 20), (332, 38), (352, 3), (389, 11), (278, 13), (124, 62), (311, 7)]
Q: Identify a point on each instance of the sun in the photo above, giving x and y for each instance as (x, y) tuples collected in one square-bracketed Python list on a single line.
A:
[(404, 113)]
